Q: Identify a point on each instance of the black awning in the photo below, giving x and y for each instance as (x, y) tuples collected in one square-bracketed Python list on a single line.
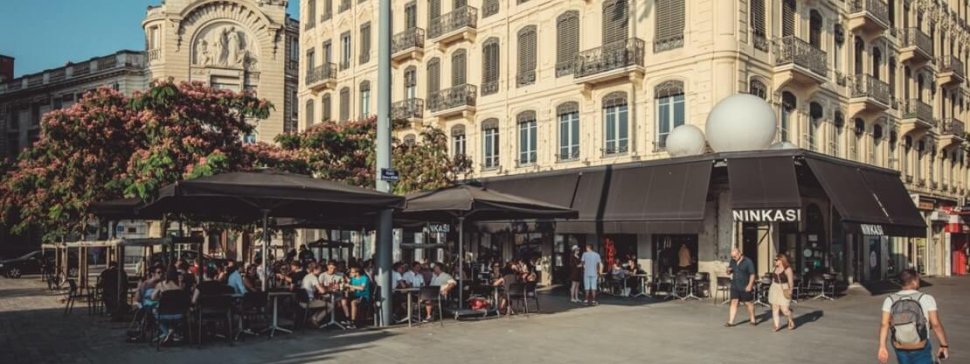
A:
[(899, 206), (763, 183), (667, 198), (556, 189), (587, 201)]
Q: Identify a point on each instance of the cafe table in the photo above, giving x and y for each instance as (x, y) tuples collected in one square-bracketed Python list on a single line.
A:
[(275, 295), (644, 278), (333, 313), (409, 292)]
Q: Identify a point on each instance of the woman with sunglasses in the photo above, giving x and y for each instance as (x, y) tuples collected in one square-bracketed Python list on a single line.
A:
[(779, 294)]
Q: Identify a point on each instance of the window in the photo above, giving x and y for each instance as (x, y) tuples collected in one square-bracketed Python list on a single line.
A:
[(568, 131), (311, 16), (490, 144), (527, 137), (364, 99), (458, 140), (345, 104), (835, 135), (876, 63), (788, 102), (327, 52), (615, 124), (327, 9), (310, 60), (758, 88), (615, 21), (816, 112), (758, 25), (410, 140), (815, 29), (434, 12), (567, 42), (489, 8), (411, 15), (458, 69), (327, 116), (875, 152), (309, 113), (860, 47), (249, 138), (294, 106), (459, 4), (345, 51), (365, 43), (410, 82), (788, 18), (892, 77), (669, 25), (490, 66), (527, 56), (434, 76), (670, 109)]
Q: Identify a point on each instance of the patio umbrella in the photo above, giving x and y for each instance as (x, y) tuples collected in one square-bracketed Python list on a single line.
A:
[(259, 195), (475, 203)]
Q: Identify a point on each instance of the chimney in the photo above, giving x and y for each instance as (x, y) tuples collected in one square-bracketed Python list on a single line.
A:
[(6, 68)]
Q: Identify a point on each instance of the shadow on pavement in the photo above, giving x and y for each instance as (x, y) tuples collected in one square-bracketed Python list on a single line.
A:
[(806, 318)]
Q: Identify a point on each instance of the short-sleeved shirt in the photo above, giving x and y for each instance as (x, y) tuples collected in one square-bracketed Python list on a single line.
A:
[(361, 280), (416, 280), (927, 302), (442, 279), (235, 281), (329, 279), (590, 261), (741, 272), (309, 284), (396, 279), (297, 277)]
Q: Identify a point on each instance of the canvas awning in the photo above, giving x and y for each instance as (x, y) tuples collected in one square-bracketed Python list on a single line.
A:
[(658, 199)]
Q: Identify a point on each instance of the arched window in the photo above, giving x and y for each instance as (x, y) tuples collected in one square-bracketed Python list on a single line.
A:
[(567, 42), (616, 128), (490, 66), (410, 82), (528, 138), (788, 103), (758, 88), (410, 140), (669, 97), (669, 25), (490, 146), (458, 69), (876, 151), (859, 130), (309, 113), (616, 15), (815, 112), (327, 107), (835, 136), (345, 104), (876, 63), (364, 99), (527, 56), (458, 144), (568, 114), (815, 29), (860, 47), (434, 76)]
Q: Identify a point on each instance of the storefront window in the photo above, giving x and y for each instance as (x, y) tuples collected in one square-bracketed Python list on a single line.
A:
[(674, 253)]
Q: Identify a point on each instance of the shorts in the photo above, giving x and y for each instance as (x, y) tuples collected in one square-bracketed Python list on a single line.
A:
[(589, 282), (741, 295)]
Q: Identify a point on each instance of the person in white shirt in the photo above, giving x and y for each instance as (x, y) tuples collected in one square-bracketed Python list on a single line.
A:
[(592, 269), (397, 276), (311, 284), (445, 283), (910, 290), (413, 277)]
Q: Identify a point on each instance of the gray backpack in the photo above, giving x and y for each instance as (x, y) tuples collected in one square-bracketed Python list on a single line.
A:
[(908, 321)]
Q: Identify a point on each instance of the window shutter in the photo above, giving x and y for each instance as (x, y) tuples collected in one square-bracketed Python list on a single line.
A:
[(527, 56), (434, 11), (434, 76), (490, 66), (309, 112), (567, 42), (459, 4), (345, 104), (758, 17), (411, 15), (365, 43), (489, 8), (615, 16), (410, 80), (326, 108), (458, 68), (669, 25), (327, 9), (788, 18)]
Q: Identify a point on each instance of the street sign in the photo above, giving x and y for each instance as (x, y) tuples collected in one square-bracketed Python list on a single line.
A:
[(389, 175)]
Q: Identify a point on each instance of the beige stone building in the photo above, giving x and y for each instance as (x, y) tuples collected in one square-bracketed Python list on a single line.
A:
[(235, 44), (529, 86)]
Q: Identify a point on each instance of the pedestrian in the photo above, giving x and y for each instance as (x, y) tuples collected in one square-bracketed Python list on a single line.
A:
[(592, 269), (911, 314), (575, 274), (742, 286), (779, 294)]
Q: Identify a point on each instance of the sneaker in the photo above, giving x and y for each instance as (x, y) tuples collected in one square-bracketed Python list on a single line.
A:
[(585, 303), (426, 320)]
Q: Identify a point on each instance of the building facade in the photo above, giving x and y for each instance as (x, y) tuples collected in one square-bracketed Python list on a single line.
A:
[(236, 44), (877, 82)]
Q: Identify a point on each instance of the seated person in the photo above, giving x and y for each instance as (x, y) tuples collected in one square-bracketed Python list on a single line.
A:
[(445, 284), (210, 286), (315, 294), (294, 277), (360, 292), (143, 296), (235, 280), (171, 283), (414, 277)]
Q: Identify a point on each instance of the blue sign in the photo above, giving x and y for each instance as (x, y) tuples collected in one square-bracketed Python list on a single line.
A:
[(389, 175)]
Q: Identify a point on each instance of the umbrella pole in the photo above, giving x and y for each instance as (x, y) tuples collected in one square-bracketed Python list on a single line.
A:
[(265, 247), (461, 257)]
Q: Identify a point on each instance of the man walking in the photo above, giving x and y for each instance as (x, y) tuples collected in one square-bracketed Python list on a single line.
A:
[(911, 313), (592, 269), (742, 286)]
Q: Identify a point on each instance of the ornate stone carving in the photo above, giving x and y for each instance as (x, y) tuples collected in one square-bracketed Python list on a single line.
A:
[(225, 45)]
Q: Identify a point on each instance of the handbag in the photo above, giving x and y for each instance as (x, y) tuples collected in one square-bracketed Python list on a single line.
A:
[(786, 291)]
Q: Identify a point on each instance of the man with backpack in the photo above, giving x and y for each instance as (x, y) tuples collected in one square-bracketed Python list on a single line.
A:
[(909, 315)]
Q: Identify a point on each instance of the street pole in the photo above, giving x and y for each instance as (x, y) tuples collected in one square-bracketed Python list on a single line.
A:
[(384, 156)]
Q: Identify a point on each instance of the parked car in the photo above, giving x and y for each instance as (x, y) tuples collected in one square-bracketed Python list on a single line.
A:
[(29, 263)]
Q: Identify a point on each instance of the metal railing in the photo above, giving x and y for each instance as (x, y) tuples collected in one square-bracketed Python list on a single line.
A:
[(914, 37), (463, 17), (81, 69), (564, 68), (791, 50), (952, 64), (609, 57), (668, 43), (868, 86), (760, 41), (292, 64), (878, 9), (489, 88), (916, 109), (410, 38), (407, 109), (327, 71), (952, 126), (154, 54), (525, 78), (449, 98)]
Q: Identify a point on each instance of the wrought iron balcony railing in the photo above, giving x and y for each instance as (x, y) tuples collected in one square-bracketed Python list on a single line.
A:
[(952, 126), (525, 78), (916, 109), (952, 64), (792, 50), (154, 54), (408, 39), (871, 87), (408, 109), (449, 98), (877, 8), (914, 37), (324, 72), (609, 57), (463, 17), (489, 88)]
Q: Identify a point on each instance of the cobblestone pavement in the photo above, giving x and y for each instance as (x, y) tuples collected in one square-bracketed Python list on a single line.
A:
[(33, 329)]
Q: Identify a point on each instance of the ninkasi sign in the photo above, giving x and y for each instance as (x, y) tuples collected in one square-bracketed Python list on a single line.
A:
[(767, 215)]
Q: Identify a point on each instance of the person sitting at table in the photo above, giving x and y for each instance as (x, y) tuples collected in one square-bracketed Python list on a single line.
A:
[(359, 288), (294, 277), (235, 280), (250, 279), (171, 283), (143, 295), (445, 283), (315, 291), (414, 277), (186, 279), (210, 286)]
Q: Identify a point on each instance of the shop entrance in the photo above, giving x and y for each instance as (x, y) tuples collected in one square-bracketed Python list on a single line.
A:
[(561, 250), (674, 253)]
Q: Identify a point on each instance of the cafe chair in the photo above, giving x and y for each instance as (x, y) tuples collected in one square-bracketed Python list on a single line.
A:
[(72, 296), (681, 288), (252, 309), (95, 298), (702, 285), (531, 294), (376, 303), (217, 309), (723, 289), (431, 294), (516, 293), (173, 308)]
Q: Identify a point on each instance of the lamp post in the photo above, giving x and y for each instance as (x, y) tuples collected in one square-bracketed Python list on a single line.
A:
[(383, 236)]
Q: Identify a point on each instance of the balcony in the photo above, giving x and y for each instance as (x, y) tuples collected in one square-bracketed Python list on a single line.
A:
[(917, 47), (458, 100), (455, 26), (408, 110), (870, 16), (951, 71), (623, 59), (868, 94), (407, 45), (322, 77), (800, 62), (952, 132), (154, 55), (917, 115)]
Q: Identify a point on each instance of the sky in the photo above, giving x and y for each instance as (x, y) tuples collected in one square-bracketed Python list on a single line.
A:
[(44, 34)]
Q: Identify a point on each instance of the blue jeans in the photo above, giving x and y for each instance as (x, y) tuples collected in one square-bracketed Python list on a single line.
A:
[(165, 321), (924, 356)]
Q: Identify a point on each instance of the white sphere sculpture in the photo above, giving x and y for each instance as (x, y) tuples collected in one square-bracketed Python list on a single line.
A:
[(685, 140), (740, 122)]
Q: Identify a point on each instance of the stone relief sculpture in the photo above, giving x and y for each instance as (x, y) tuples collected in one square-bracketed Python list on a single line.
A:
[(226, 46)]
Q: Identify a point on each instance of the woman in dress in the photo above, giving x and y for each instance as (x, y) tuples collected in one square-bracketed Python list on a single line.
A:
[(779, 294), (575, 274)]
